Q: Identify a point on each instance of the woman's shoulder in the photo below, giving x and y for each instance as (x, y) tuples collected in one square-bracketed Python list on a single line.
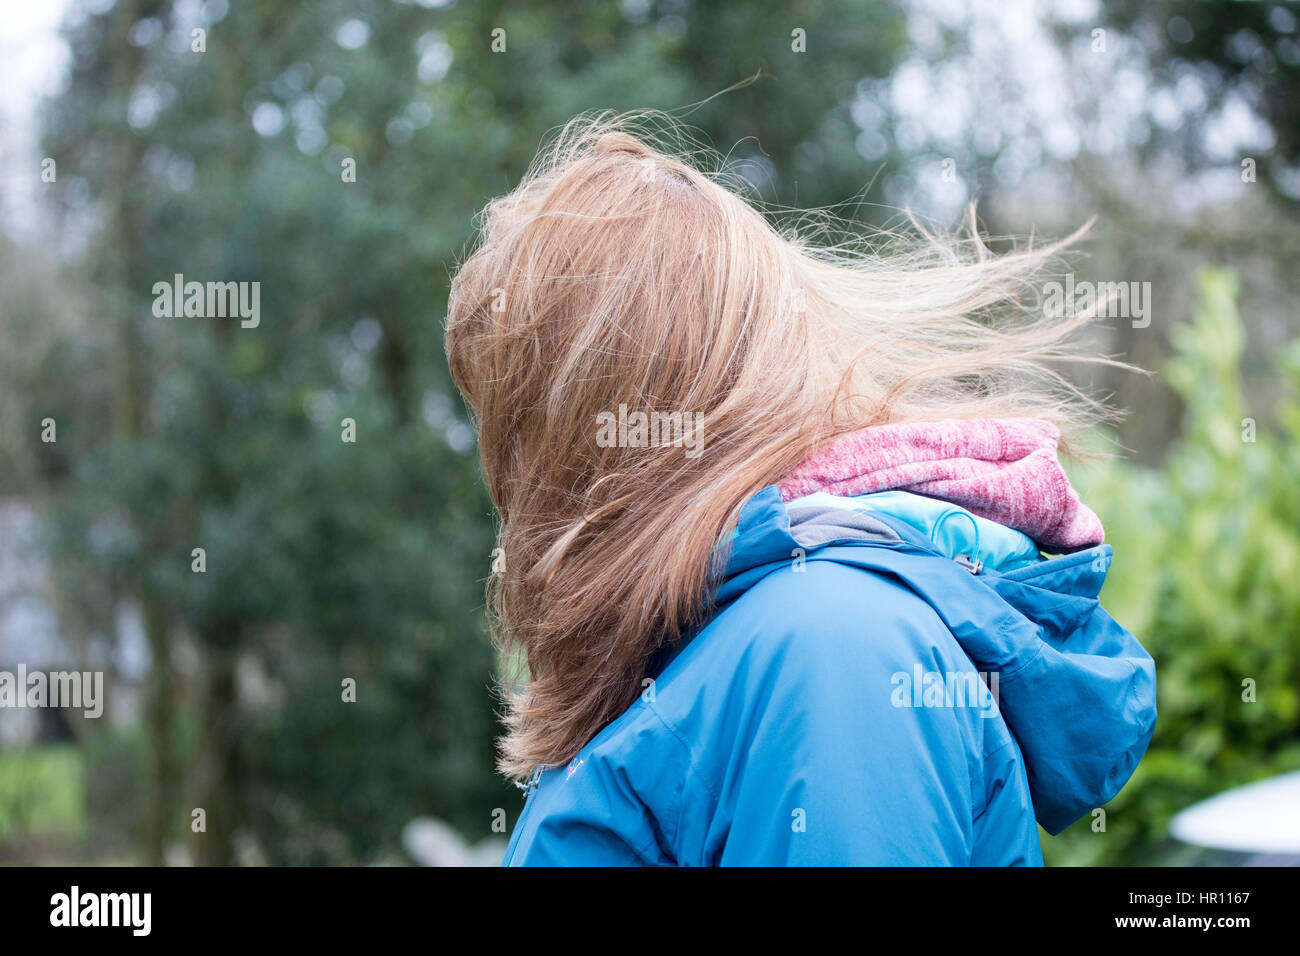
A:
[(821, 611), (793, 685), (818, 653)]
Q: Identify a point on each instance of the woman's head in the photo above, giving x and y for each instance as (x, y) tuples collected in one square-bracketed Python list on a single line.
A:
[(643, 351)]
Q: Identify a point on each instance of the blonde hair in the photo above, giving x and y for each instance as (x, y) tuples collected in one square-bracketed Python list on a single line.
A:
[(620, 274)]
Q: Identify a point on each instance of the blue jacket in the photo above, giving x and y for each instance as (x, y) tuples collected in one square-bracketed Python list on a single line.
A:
[(859, 697)]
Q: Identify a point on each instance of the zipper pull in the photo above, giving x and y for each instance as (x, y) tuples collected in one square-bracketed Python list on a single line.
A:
[(973, 565), (531, 785)]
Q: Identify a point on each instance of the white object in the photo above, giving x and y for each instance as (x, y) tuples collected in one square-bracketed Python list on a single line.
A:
[(1261, 817), (431, 842)]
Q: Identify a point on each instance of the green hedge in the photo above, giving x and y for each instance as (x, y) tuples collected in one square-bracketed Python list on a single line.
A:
[(1207, 574)]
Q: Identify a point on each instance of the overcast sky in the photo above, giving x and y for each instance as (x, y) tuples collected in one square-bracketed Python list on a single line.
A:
[(34, 59), (1012, 89)]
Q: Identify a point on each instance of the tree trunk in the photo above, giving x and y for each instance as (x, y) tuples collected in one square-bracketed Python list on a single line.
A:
[(160, 806), (216, 771)]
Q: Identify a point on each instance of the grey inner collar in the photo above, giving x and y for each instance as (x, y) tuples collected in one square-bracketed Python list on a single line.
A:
[(814, 526)]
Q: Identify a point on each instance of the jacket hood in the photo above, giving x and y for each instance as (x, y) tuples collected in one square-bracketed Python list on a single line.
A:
[(1075, 688)]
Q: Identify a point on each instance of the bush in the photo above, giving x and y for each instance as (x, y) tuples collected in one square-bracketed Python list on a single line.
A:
[(1207, 560)]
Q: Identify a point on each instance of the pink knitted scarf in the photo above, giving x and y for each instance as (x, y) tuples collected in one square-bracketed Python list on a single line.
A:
[(1003, 469)]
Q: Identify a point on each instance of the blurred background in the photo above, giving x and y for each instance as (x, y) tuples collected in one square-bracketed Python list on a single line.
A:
[(145, 138)]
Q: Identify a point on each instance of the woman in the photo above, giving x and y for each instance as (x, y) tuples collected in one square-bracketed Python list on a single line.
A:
[(772, 520)]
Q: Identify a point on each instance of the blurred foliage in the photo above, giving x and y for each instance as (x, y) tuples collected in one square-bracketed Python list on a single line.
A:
[(41, 791), (327, 560), (1207, 560), (324, 560), (1250, 51)]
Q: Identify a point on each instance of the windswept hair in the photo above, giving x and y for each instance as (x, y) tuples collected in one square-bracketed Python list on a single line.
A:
[(627, 271)]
